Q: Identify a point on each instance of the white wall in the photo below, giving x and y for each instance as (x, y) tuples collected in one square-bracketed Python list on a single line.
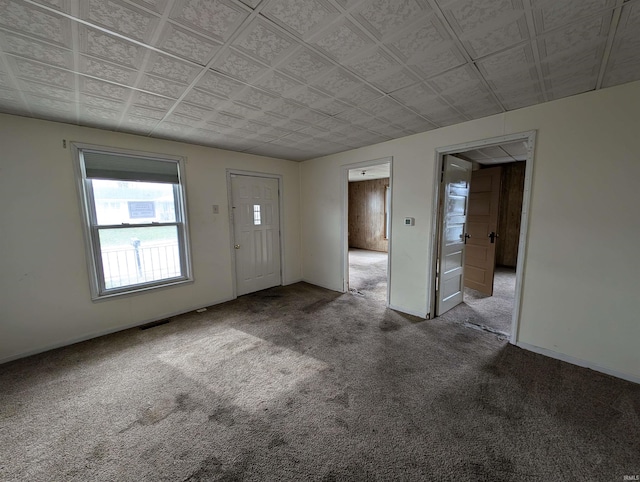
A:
[(581, 269), (44, 286)]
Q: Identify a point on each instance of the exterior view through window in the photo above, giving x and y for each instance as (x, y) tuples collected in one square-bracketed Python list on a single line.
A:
[(135, 221), (257, 220)]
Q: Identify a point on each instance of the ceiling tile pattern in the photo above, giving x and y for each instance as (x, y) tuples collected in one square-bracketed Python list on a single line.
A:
[(33, 49), (106, 70), (487, 26), (301, 16), (239, 66), (264, 42), (624, 61), (515, 151), (108, 47), (384, 16), (119, 17), (305, 65), (170, 68), (187, 44), (48, 90), (551, 14), (342, 40), (298, 79), (34, 21), (215, 18)]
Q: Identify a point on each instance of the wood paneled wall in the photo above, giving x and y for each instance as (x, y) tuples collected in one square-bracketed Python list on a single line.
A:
[(510, 213), (366, 215)]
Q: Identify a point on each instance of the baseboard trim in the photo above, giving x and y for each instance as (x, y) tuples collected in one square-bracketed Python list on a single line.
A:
[(578, 361), (321, 286), (98, 334), (419, 314), (287, 283)]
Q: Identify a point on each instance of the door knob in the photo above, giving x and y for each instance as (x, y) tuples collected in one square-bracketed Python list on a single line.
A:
[(466, 236), (493, 236), (237, 246)]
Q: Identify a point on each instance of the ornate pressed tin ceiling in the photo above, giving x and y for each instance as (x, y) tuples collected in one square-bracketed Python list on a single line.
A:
[(298, 79)]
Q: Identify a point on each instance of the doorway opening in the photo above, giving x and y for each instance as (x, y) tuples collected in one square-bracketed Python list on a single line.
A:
[(480, 232), (367, 229)]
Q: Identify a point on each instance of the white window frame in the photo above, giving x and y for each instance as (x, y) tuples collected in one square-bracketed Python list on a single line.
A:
[(91, 228)]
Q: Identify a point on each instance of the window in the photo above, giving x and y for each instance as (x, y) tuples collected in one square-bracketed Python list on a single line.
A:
[(257, 220), (135, 221)]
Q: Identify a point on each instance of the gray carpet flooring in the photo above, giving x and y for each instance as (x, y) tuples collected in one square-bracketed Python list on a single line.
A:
[(493, 312), (301, 383), (368, 277), (368, 274)]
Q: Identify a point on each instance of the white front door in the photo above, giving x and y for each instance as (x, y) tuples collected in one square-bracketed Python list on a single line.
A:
[(456, 180), (256, 230)]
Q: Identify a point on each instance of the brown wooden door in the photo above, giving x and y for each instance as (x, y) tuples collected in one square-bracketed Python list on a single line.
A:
[(482, 220)]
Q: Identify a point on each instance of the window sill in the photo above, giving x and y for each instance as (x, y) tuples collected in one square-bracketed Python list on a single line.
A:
[(96, 298)]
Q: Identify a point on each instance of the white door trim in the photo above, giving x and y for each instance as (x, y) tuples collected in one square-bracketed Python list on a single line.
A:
[(239, 172), (345, 219), (530, 138)]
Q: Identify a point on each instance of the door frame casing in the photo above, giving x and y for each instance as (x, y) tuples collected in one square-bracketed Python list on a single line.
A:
[(344, 230), (530, 138), (279, 178)]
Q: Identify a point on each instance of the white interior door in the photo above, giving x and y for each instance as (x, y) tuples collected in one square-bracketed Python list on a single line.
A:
[(455, 204), (256, 229)]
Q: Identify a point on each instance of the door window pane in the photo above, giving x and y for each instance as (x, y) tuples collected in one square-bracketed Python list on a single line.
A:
[(454, 234), (387, 212)]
